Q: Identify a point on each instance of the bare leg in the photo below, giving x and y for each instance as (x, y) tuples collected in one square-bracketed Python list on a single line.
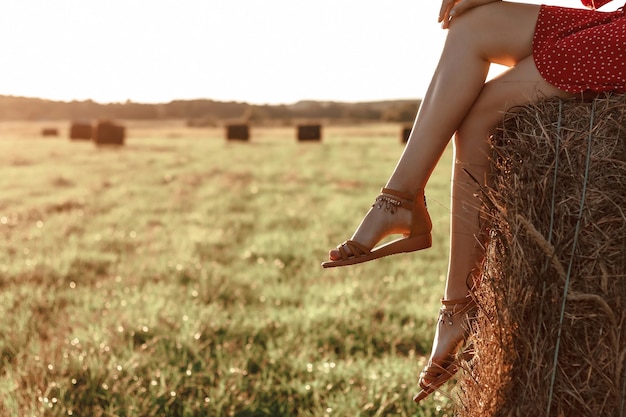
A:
[(520, 85), (499, 32)]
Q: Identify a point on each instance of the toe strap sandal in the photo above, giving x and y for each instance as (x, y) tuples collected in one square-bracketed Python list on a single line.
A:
[(435, 375), (418, 238)]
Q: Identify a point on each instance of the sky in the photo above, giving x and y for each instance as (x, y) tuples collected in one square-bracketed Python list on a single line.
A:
[(255, 51)]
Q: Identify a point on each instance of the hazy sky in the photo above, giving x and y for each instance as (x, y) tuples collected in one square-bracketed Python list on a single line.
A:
[(259, 51)]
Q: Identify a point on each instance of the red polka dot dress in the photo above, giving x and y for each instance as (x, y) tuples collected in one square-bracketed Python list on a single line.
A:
[(580, 50)]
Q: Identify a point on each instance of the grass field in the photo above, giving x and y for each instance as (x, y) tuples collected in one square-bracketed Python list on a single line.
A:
[(180, 275)]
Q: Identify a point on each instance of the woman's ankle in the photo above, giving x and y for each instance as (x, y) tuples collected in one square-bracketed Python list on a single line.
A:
[(458, 287), (409, 189), (455, 293)]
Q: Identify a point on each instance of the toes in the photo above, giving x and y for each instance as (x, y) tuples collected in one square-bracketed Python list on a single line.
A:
[(342, 251)]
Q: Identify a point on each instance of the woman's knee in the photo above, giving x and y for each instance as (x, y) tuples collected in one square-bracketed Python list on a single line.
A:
[(467, 27), (501, 32), (475, 15), (475, 21), (495, 100)]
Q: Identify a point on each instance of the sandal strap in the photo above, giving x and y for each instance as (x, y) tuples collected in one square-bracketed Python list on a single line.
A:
[(449, 308), (392, 199), (399, 194), (356, 249), (433, 370), (465, 303), (456, 301), (435, 373)]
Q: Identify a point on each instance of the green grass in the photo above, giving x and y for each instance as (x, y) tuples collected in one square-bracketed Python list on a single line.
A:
[(179, 276)]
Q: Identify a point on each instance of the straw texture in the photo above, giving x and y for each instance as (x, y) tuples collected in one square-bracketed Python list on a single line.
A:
[(551, 331)]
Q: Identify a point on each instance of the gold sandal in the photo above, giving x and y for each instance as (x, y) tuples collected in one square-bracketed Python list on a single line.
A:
[(418, 238), (438, 374)]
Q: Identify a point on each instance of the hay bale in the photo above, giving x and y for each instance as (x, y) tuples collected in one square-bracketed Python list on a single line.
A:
[(80, 131), (406, 132), (309, 133), (551, 331), (238, 132), (49, 132), (106, 132)]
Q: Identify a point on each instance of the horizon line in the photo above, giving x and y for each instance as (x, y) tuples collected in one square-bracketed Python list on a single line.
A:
[(252, 103)]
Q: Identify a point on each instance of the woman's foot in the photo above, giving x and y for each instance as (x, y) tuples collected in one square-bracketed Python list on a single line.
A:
[(452, 330), (392, 213)]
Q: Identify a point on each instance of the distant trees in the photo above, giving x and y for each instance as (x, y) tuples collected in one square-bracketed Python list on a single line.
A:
[(22, 108), (403, 112)]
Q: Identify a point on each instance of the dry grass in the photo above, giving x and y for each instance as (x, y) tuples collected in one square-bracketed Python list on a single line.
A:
[(179, 275), (551, 335)]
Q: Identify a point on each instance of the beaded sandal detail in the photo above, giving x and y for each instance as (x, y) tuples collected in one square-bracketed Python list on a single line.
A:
[(418, 238), (438, 374)]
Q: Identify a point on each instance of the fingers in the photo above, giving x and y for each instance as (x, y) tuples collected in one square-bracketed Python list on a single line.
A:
[(464, 5), (444, 12), (452, 8)]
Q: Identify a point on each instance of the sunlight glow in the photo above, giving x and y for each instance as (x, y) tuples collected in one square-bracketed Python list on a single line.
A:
[(275, 51)]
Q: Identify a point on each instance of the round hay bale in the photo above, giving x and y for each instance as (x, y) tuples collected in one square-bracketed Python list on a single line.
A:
[(406, 132), (238, 132), (106, 132), (80, 131), (309, 133), (49, 132), (551, 332)]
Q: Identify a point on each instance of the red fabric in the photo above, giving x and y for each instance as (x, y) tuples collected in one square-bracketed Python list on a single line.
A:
[(580, 50), (594, 4)]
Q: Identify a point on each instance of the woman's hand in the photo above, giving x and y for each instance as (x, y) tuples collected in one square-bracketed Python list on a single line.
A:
[(452, 8)]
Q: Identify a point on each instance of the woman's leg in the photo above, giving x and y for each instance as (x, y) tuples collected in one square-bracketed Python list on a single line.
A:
[(520, 85), (497, 32)]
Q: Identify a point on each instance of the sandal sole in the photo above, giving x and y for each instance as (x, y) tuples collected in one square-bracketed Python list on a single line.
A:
[(404, 245)]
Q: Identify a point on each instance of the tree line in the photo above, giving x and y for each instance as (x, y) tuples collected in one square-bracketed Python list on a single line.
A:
[(205, 112)]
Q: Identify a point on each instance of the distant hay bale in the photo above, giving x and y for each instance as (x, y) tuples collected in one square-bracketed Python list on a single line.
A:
[(49, 132), (106, 132), (80, 131), (309, 133), (238, 132), (551, 332), (406, 132)]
